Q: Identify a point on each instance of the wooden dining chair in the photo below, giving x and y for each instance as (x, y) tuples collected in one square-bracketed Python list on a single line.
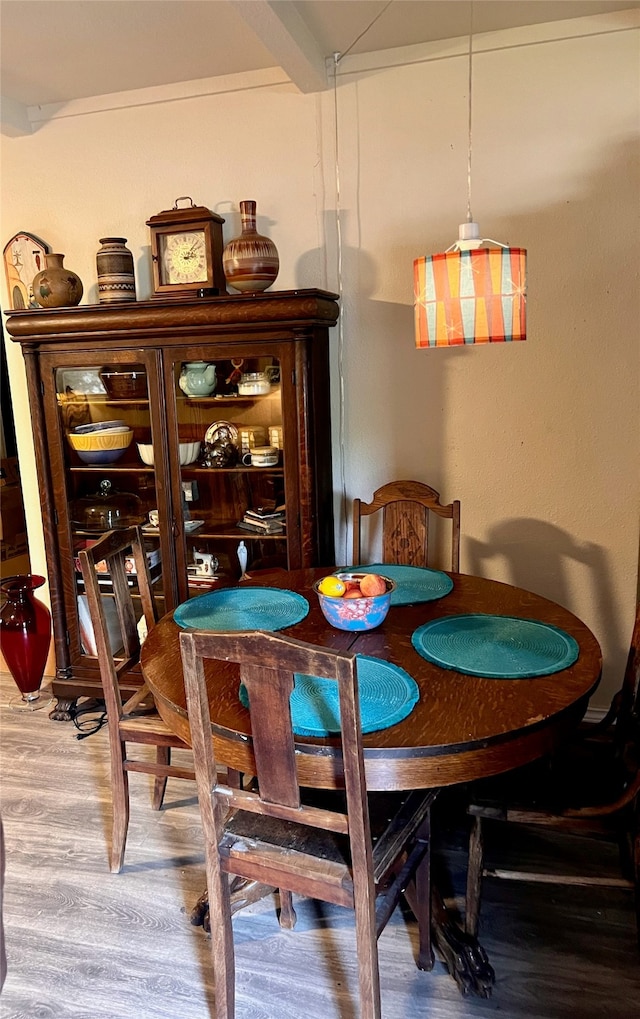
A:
[(361, 853), (406, 508), (137, 721), (591, 787)]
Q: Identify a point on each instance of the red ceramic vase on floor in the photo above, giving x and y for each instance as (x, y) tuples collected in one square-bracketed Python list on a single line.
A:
[(25, 635)]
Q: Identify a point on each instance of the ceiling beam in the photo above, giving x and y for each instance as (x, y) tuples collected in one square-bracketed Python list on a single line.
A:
[(14, 118), (285, 34)]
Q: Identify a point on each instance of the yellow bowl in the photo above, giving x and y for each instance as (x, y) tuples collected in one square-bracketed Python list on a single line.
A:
[(93, 441)]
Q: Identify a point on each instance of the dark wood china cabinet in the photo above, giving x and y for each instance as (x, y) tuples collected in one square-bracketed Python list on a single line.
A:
[(183, 444)]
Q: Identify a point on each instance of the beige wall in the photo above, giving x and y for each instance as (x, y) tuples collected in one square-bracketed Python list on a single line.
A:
[(538, 440)]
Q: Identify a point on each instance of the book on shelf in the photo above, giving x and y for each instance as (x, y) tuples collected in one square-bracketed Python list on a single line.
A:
[(264, 513), (261, 527)]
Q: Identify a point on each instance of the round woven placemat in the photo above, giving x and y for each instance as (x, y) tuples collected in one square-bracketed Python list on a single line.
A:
[(413, 583), (387, 695), (243, 608), (496, 647)]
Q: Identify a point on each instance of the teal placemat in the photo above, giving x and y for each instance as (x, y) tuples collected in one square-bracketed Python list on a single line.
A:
[(413, 583), (242, 608), (387, 695), (496, 647)]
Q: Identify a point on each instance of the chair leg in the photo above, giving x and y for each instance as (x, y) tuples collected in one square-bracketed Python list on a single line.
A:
[(163, 756), (368, 967), (636, 864), (222, 952), (474, 878), (287, 915), (426, 957), (119, 804)]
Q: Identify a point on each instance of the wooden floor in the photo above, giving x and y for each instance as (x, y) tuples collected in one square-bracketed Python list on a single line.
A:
[(86, 944)]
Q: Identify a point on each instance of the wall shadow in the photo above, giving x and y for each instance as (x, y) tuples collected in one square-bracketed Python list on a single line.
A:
[(539, 557)]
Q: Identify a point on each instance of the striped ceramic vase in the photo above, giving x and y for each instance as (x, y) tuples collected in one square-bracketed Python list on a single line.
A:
[(116, 280), (250, 261)]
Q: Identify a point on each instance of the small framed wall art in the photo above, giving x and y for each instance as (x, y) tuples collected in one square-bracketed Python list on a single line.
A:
[(23, 259)]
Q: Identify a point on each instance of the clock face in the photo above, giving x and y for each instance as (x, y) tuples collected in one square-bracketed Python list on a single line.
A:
[(183, 257)]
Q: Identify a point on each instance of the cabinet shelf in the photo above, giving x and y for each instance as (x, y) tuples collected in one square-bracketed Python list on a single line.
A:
[(102, 400), (216, 401), (240, 469), (128, 468), (237, 533), (115, 468)]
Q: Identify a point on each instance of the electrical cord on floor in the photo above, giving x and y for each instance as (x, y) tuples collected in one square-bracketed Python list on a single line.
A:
[(89, 717)]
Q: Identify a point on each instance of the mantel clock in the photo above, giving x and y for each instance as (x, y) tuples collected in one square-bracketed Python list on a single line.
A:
[(186, 250)]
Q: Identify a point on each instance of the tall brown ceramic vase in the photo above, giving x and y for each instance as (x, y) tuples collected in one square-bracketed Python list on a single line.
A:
[(56, 287), (250, 261), (116, 279)]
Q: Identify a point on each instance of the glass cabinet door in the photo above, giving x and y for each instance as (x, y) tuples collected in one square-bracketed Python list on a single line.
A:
[(235, 485), (107, 468)]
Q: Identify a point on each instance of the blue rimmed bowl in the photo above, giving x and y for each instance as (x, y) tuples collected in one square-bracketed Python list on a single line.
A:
[(355, 613)]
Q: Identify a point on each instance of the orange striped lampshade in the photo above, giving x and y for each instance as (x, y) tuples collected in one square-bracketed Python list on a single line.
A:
[(477, 295)]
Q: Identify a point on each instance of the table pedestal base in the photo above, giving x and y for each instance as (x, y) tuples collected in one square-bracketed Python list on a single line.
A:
[(465, 958)]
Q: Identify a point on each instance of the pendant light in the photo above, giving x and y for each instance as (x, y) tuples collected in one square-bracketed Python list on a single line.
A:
[(475, 291)]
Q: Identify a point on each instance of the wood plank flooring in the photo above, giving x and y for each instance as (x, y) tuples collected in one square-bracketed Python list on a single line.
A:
[(86, 944)]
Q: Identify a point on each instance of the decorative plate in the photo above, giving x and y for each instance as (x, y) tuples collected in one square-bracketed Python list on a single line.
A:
[(413, 583), (215, 432), (242, 608), (387, 695), (496, 647)]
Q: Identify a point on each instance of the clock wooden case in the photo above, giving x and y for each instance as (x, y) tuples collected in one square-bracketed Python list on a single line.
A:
[(75, 356), (186, 251)]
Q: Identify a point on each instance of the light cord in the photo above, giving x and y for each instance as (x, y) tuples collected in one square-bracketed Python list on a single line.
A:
[(341, 423), (337, 57), (470, 92)]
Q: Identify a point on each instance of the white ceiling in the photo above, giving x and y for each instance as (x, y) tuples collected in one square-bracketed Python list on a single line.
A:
[(53, 51)]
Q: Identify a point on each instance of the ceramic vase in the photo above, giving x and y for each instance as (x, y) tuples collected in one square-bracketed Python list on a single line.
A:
[(250, 261), (25, 635), (56, 287), (114, 263)]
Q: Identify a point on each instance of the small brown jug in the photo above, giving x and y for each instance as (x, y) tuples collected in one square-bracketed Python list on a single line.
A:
[(56, 287)]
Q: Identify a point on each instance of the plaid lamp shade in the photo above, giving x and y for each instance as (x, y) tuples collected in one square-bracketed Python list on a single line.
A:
[(470, 296)]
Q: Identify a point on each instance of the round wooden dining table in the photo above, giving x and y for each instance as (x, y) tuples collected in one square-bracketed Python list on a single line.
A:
[(464, 727)]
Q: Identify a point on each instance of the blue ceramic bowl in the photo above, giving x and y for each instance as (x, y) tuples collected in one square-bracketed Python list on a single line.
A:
[(355, 613), (100, 456)]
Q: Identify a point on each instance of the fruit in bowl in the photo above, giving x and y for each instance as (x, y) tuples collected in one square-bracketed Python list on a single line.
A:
[(354, 601)]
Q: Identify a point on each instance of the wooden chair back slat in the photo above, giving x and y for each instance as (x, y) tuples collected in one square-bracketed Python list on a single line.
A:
[(406, 511), (112, 549), (116, 665), (269, 685)]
